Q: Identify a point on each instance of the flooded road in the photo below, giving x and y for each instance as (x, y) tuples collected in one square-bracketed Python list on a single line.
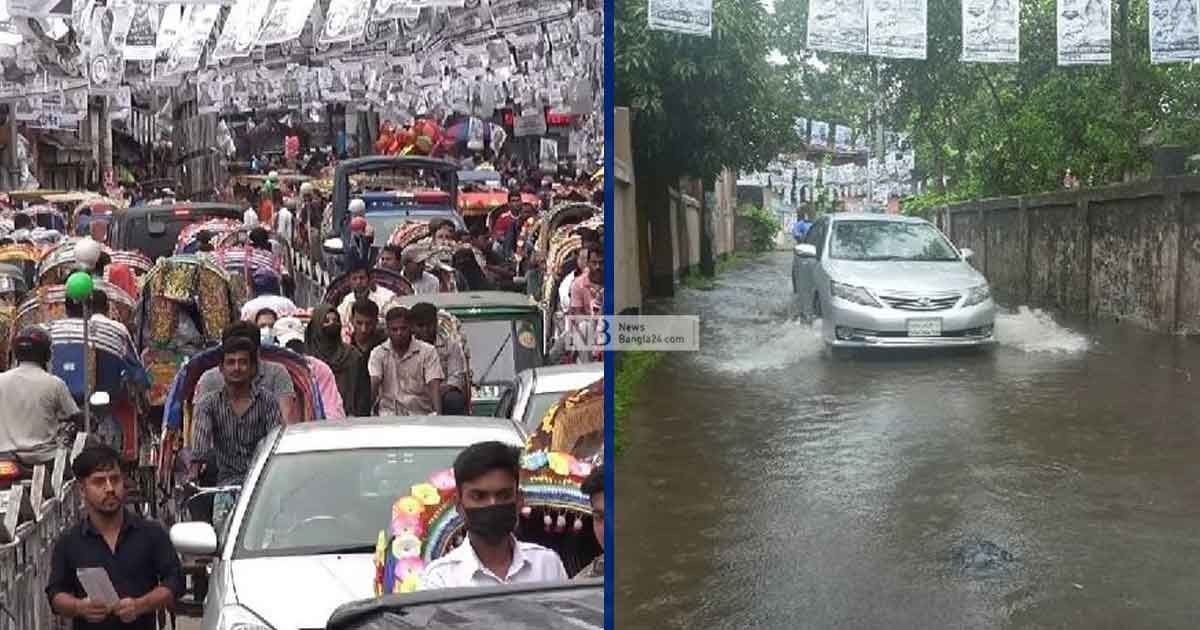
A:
[(1051, 483)]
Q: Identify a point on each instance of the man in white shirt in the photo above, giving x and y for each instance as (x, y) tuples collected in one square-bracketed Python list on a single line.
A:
[(487, 477), (284, 219), (423, 282), (250, 218), (362, 286)]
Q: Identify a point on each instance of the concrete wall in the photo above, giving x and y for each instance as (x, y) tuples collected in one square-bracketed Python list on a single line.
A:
[(626, 229), (1129, 251)]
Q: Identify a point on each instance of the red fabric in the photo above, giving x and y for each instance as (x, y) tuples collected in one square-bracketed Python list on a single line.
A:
[(502, 224), (122, 276)]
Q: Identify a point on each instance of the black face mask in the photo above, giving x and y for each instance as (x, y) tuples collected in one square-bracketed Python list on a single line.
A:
[(492, 523)]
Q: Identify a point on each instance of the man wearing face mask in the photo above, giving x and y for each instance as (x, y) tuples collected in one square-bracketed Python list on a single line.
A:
[(487, 478)]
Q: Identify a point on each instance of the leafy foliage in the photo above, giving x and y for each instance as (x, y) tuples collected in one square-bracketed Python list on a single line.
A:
[(764, 225)]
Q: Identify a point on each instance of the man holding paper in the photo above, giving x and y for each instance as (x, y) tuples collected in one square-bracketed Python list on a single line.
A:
[(114, 570)]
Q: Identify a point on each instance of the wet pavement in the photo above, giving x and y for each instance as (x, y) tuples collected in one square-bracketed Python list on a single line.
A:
[(1051, 483)]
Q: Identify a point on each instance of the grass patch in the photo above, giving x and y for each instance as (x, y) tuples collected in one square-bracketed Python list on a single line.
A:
[(631, 372), (696, 280)]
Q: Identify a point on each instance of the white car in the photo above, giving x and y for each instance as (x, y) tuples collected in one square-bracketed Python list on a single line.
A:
[(878, 280), (535, 390), (301, 540)]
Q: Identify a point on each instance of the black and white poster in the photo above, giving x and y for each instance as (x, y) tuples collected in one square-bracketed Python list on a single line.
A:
[(1084, 32), (843, 140), (690, 17), (198, 24), (170, 28), (105, 52), (241, 29), (346, 20), (991, 31), (395, 10), (800, 126), (820, 135), (122, 104), (838, 26), (549, 155), (143, 33), (286, 21), (210, 93), (39, 8), (1173, 31), (897, 28)]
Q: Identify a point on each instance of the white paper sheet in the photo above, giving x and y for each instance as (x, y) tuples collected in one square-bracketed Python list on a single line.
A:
[(96, 584), (1084, 32), (1173, 31), (991, 31), (838, 26)]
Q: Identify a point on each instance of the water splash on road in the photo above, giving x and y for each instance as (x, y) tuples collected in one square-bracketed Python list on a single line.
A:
[(1034, 331)]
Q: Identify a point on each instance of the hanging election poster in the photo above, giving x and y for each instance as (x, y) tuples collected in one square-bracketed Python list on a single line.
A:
[(169, 28), (800, 126), (820, 135), (346, 21), (897, 28), (396, 10), (286, 21), (39, 8), (108, 26), (1084, 32), (838, 26), (241, 29), (193, 35), (991, 31), (862, 142), (690, 17), (143, 32), (843, 142), (1173, 31)]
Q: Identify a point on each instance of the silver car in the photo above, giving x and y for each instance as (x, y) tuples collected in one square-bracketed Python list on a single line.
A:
[(301, 540), (535, 390), (877, 280)]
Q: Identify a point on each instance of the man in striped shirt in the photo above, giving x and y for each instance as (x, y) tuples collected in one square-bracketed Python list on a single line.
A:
[(231, 422)]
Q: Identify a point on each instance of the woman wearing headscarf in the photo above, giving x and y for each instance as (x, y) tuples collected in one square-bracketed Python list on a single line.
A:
[(323, 337)]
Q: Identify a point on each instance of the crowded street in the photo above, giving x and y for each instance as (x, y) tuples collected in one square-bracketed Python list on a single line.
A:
[(1047, 482)]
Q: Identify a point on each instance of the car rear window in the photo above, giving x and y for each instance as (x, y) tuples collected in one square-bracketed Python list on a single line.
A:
[(136, 233)]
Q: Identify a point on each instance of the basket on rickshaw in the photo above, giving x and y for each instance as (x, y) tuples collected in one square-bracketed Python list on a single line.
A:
[(186, 303), (60, 262)]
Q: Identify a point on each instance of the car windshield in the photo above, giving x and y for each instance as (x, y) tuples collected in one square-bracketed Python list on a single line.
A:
[(539, 404), (889, 240), (492, 355), (331, 501)]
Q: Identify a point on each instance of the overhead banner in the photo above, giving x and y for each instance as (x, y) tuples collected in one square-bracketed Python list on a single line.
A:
[(286, 21), (241, 29), (396, 10), (897, 28), (689, 17), (1174, 36), (991, 31), (346, 20), (838, 26), (842, 140), (198, 24), (143, 33), (169, 28), (39, 8), (1084, 32), (820, 135)]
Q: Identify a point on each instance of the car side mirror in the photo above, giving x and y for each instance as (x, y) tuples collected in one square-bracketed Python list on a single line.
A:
[(806, 250), (195, 538), (967, 253)]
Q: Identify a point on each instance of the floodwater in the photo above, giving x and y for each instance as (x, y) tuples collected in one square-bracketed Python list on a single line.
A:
[(1051, 483)]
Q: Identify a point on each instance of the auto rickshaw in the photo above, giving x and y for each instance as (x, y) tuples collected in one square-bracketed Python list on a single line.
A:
[(186, 303), (502, 329)]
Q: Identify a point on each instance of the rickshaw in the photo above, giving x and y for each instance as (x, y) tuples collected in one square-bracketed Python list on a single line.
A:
[(12, 285), (390, 280), (570, 213), (560, 262), (47, 303), (48, 217), (186, 243), (243, 263), (281, 248), (59, 262), (186, 303), (503, 331), (7, 314), (23, 256)]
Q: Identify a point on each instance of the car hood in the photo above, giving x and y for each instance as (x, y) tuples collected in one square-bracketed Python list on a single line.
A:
[(905, 276), (302, 591)]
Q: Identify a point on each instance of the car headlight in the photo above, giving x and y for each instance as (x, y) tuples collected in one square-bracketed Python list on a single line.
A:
[(235, 617), (851, 293), (978, 295)]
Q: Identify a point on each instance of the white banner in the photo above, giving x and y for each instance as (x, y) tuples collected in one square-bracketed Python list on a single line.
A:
[(1173, 31), (170, 28), (820, 135), (690, 17), (143, 33), (396, 10), (346, 21), (898, 28), (1084, 32), (241, 29), (991, 31), (800, 126), (39, 8), (838, 26), (193, 35), (843, 141), (286, 21)]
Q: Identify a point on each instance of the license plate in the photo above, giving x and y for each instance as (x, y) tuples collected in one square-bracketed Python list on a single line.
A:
[(924, 328)]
